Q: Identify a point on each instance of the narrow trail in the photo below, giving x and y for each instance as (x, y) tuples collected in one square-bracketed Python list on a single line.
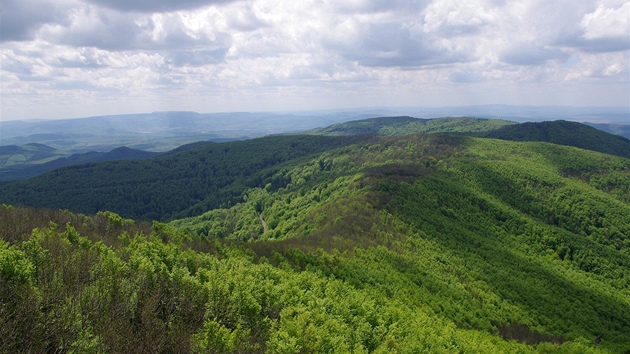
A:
[(263, 222)]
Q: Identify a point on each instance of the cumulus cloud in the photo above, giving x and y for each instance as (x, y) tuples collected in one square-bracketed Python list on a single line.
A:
[(113, 31), (20, 19), (196, 58), (607, 22), (393, 45), (375, 6), (454, 18), (607, 29), (265, 49)]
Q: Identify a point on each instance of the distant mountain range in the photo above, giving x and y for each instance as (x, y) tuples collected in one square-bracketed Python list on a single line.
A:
[(32, 159), (157, 131), (143, 181), (164, 131)]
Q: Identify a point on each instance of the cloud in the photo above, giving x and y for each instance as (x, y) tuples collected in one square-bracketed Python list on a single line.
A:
[(152, 6), (16, 65), (84, 58), (374, 6), (466, 77), (601, 45), (195, 58), (392, 45), (454, 18), (386, 39), (20, 19), (531, 54), (243, 17), (607, 22), (603, 29), (98, 28), (184, 39), (320, 49)]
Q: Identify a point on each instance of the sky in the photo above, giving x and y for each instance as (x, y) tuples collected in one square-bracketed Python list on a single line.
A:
[(77, 58)]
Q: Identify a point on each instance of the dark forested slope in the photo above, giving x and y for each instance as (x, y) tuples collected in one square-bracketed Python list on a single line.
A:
[(189, 182)]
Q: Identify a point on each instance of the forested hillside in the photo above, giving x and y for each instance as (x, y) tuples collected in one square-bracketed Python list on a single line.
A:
[(410, 125), (418, 243), (30, 160), (186, 182), (565, 133), (557, 132)]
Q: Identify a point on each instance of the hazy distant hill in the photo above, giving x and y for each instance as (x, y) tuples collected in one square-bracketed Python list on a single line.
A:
[(618, 129), (185, 182), (33, 167), (163, 131), (27, 154), (157, 131)]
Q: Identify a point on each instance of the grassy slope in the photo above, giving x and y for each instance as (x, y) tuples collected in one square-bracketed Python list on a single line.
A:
[(557, 132), (29, 154)]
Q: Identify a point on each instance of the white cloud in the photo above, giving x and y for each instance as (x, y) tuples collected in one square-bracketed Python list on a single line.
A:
[(313, 51), (453, 18), (606, 22)]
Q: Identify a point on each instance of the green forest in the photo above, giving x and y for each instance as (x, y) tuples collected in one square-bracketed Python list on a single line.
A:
[(361, 243)]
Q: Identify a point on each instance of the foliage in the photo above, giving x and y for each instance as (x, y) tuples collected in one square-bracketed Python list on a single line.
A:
[(178, 184), (63, 292), (565, 133), (409, 125), (527, 240), (200, 177), (420, 243)]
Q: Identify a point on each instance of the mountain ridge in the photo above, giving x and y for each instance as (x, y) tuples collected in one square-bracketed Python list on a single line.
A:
[(208, 165), (565, 133)]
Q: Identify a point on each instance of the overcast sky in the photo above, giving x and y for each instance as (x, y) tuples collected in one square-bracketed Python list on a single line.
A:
[(75, 58)]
